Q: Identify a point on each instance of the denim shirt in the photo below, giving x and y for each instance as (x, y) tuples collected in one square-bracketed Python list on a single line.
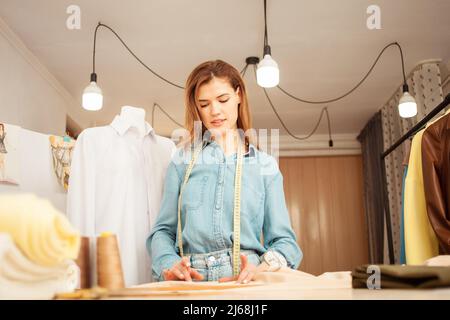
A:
[(207, 208)]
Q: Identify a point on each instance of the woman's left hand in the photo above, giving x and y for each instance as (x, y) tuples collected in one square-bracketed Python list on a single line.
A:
[(248, 272)]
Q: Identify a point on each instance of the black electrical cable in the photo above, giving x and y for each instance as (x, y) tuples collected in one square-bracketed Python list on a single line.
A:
[(324, 110), (266, 37), (132, 53), (358, 84), (168, 115), (244, 70)]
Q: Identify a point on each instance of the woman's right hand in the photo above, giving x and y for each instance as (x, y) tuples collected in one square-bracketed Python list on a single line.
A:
[(182, 270)]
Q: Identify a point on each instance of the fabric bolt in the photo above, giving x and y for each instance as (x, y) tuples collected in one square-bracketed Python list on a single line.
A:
[(43, 233), (20, 278), (116, 185), (420, 240), (404, 277), (207, 208)]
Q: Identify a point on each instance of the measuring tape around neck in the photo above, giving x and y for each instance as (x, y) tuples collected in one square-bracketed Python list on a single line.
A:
[(236, 211)]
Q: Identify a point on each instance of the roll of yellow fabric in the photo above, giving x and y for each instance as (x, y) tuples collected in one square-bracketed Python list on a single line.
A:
[(43, 233)]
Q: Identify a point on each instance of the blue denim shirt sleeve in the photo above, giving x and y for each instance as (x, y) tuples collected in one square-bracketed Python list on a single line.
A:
[(161, 242), (277, 230)]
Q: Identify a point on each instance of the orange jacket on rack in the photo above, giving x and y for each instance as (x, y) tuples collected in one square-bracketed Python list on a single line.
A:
[(436, 178)]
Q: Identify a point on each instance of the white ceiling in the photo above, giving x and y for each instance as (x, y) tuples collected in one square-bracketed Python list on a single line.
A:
[(323, 49)]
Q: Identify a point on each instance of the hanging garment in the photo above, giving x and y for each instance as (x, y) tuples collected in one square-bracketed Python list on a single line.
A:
[(436, 176), (407, 152), (62, 148), (402, 222), (2, 139), (420, 239), (116, 185)]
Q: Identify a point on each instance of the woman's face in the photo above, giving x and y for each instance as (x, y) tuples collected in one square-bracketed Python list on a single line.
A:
[(218, 105)]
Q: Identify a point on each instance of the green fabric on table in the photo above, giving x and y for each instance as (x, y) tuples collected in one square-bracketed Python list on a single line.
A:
[(403, 277)]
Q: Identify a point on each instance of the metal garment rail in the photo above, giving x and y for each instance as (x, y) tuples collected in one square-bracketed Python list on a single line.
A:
[(383, 155)]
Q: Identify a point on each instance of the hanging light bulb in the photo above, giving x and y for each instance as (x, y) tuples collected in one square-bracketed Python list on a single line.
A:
[(407, 106), (92, 95), (267, 73)]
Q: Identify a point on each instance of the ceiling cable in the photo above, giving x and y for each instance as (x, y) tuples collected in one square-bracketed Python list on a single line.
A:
[(324, 110), (168, 115), (358, 84), (132, 53)]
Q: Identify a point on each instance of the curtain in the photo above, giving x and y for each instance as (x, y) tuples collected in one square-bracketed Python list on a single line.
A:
[(426, 86), (371, 138)]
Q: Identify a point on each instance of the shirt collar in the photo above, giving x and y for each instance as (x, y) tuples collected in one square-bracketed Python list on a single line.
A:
[(122, 126), (251, 150)]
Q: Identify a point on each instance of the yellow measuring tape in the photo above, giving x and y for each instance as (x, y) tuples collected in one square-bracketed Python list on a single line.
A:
[(237, 205)]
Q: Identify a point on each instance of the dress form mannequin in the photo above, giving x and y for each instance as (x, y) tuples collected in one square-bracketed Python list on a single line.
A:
[(135, 117)]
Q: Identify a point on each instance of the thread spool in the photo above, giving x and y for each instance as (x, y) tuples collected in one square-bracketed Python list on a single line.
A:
[(83, 262), (109, 266)]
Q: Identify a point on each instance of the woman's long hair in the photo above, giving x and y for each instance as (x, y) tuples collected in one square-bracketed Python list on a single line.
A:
[(203, 74)]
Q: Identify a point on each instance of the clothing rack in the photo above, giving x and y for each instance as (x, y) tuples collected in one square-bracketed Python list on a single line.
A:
[(383, 155)]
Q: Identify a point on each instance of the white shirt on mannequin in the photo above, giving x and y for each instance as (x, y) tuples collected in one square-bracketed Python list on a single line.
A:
[(134, 118), (116, 185)]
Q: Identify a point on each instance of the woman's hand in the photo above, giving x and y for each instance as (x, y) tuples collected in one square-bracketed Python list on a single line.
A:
[(248, 272), (182, 270)]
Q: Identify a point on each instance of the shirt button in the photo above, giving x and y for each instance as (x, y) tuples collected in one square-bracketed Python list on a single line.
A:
[(211, 259)]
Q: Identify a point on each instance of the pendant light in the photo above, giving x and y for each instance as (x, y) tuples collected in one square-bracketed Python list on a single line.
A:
[(92, 94), (267, 73), (407, 106)]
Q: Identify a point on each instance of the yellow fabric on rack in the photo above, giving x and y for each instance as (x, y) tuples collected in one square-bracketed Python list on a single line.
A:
[(420, 240), (43, 234)]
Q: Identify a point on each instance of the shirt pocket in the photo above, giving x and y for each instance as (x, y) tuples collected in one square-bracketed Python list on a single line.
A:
[(194, 193), (251, 202)]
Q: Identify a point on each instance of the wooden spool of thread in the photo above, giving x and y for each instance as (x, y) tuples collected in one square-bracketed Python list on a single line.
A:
[(109, 266), (83, 262)]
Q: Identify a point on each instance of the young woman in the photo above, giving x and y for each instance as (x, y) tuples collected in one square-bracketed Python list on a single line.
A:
[(231, 193)]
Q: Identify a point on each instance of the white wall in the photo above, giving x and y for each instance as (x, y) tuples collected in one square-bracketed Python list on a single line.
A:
[(26, 98), (30, 97)]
